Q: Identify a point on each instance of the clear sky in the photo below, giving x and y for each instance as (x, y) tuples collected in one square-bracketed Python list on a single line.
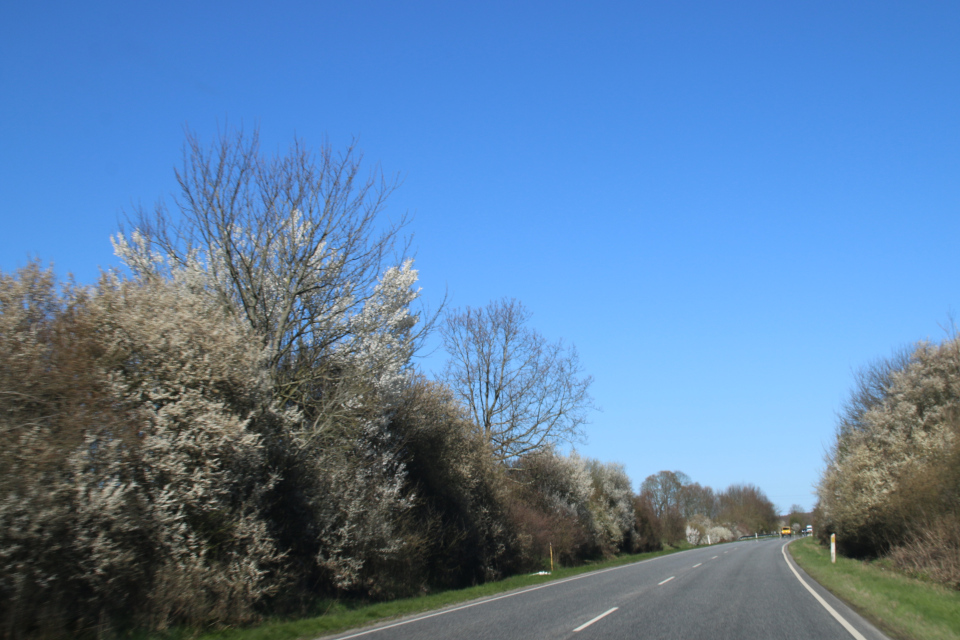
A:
[(727, 207)]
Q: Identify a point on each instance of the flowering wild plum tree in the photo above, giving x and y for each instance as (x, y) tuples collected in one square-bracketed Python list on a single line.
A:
[(292, 245), (132, 476), (886, 477), (612, 506)]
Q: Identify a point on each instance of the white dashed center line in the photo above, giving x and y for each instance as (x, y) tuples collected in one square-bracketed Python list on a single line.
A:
[(587, 624), (666, 581)]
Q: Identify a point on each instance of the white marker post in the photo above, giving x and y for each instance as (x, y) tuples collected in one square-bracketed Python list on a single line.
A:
[(833, 548)]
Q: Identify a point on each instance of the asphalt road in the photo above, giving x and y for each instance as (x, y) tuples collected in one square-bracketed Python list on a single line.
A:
[(740, 591)]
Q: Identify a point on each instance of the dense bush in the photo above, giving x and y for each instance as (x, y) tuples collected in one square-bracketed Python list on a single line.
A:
[(702, 530), (461, 505), (152, 479), (582, 508), (611, 505), (133, 472), (550, 506), (931, 550), (892, 481), (648, 534)]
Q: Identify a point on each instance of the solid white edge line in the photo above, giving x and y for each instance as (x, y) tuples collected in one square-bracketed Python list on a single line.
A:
[(501, 597), (602, 615), (846, 625), (666, 581)]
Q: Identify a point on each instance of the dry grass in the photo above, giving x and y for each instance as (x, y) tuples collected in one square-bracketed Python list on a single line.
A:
[(934, 554)]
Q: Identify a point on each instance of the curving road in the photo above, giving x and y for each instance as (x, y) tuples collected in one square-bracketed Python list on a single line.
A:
[(737, 591)]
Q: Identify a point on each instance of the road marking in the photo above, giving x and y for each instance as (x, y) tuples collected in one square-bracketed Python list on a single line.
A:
[(697, 565), (846, 625), (511, 594), (666, 581), (599, 617), (714, 557)]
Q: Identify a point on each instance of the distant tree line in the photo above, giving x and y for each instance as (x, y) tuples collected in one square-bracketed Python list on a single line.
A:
[(686, 509), (891, 485), (237, 429), (798, 519)]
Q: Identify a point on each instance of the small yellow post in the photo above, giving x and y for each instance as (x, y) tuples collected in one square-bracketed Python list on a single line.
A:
[(833, 548), (551, 557)]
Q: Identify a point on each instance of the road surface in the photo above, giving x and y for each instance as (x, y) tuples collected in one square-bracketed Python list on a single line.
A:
[(738, 591)]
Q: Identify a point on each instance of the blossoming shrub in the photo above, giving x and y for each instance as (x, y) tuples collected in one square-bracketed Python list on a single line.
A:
[(611, 507), (132, 473), (583, 508), (550, 505), (891, 482), (702, 530)]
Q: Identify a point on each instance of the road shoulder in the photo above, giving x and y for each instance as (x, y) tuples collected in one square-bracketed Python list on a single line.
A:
[(857, 626)]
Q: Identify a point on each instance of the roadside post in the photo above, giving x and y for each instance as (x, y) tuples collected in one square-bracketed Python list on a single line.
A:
[(833, 548), (551, 557)]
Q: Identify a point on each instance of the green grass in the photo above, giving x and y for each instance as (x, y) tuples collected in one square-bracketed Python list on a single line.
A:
[(902, 606), (340, 616)]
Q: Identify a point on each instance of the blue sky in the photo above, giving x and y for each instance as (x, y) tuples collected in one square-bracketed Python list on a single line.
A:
[(728, 209)]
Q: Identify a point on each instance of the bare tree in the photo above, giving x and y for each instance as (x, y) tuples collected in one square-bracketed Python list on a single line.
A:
[(523, 392), (798, 516), (295, 246), (697, 500), (747, 505), (665, 490)]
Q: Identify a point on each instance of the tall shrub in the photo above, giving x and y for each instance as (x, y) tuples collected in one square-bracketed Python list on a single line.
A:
[(460, 494), (879, 485), (133, 470)]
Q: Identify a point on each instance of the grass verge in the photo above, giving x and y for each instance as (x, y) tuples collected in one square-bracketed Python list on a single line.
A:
[(343, 615), (902, 606)]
